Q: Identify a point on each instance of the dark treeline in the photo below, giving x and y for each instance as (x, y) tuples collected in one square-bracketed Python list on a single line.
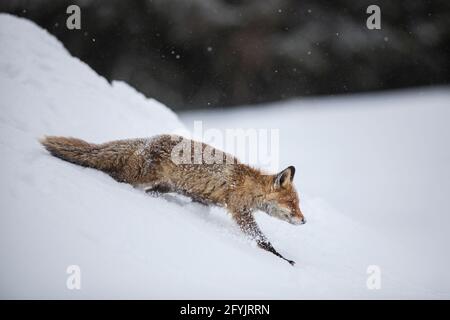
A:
[(200, 53)]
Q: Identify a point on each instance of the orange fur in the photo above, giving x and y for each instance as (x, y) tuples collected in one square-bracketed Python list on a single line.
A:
[(148, 164)]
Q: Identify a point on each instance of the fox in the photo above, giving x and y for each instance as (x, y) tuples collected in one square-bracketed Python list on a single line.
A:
[(151, 165)]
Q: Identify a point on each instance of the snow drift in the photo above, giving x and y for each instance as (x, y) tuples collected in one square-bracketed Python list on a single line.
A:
[(128, 245)]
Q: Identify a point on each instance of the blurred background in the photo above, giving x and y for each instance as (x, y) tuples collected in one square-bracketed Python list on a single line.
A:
[(220, 53)]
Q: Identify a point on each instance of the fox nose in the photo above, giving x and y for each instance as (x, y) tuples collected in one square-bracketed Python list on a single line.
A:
[(303, 221)]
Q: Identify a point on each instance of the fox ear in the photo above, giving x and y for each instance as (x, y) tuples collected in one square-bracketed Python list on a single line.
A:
[(284, 178)]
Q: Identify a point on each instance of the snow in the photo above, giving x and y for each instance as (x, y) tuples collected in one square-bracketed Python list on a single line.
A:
[(373, 182), (381, 161)]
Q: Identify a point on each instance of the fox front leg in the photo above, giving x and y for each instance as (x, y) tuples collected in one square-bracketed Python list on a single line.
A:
[(266, 245), (248, 225)]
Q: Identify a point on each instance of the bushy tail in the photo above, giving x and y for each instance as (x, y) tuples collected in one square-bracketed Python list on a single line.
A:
[(104, 157)]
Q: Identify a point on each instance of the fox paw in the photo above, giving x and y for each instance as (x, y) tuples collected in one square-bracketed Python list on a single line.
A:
[(291, 262)]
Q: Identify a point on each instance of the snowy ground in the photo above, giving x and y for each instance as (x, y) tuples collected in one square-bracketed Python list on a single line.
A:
[(372, 172), (381, 160)]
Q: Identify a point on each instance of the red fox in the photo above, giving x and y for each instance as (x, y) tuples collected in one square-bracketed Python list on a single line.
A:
[(148, 164)]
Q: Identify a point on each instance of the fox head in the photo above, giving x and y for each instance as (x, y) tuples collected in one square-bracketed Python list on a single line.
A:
[(281, 201)]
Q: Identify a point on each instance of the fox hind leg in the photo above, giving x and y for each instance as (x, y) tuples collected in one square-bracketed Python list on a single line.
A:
[(154, 188), (158, 189)]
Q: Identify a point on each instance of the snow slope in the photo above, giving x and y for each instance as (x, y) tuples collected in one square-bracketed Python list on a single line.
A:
[(129, 245), (382, 160)]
